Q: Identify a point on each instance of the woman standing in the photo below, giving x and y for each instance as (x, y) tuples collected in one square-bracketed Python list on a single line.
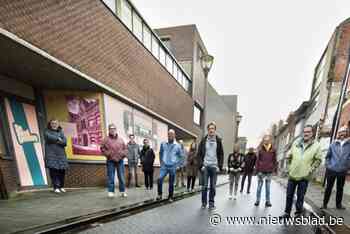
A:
[(55, 155), (147, 160), (235, 164), (192, 167)]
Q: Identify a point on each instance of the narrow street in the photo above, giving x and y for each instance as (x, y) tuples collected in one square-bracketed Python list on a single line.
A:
[(186, 216)]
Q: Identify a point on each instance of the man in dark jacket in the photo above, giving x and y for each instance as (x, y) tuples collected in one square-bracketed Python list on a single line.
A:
[(337, 165), (210, 155), (249, 164), (265, 165)]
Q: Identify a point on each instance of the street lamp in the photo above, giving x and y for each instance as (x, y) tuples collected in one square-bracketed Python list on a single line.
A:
[(206, 63)]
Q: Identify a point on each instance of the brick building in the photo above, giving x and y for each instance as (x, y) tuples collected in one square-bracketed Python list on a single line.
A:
[(99, 53)]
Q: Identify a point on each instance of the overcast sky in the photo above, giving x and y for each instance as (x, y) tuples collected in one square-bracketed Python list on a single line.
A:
[(265, 51)]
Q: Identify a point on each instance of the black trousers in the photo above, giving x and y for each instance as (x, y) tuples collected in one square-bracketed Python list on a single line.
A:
[(148, 179), (331, 177), (249, 181), (190, 182), (57, 177), (301, 187)]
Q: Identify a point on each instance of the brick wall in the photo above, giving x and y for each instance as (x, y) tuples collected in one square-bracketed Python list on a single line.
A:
[(92, 175), (9, 172), (87, 36)]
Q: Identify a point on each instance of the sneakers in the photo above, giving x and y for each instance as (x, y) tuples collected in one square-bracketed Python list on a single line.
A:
[(57, 191), (212, 207), (123, 194), (62, 190), (256, 203), (230, 197), (268, 204), (204, 206), (170, 199), (110, 194), (159, 197)]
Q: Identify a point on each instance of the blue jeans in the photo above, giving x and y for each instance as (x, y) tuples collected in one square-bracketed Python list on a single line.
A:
[(301, 187), (261, 177), (164, 171), (209, 175), (111, 166)]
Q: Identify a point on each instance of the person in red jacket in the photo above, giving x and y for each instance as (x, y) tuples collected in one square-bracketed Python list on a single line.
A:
[(114, 148), (265, 165)]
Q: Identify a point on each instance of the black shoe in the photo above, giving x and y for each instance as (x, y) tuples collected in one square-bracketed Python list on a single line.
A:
[(256, 203), (241, 191), (248, 192), (285, 216), (298, 213), (324, 207), (138, 186), (341, 207), (268, 204), (159, 197)]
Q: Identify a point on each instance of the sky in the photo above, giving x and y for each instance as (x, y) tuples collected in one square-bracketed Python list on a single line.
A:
[(265, 51)]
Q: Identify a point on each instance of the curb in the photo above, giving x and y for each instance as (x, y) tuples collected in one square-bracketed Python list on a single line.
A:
[(74, 222)]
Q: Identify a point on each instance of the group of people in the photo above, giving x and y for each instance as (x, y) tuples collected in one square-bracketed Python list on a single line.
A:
[(206, 160)]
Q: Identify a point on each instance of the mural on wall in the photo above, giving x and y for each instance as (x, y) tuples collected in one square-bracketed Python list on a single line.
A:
[(81, 116), (129, 120), (26, 142), (85, 115)]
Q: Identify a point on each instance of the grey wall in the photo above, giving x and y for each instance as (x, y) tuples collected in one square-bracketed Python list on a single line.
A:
[(222, 111)]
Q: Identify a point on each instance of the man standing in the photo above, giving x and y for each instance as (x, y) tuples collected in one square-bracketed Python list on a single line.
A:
[(114, 148), (133, 159), (210, 155), (266, 164), (180, 171), (337, 165), (248, 169), (170, 154), (304, 157)]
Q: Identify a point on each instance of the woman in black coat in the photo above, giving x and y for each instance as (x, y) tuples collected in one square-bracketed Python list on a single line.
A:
[(147, 160), (55, 155)]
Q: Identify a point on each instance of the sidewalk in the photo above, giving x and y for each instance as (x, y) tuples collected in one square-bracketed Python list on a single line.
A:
[(43, 208), (314, 197)]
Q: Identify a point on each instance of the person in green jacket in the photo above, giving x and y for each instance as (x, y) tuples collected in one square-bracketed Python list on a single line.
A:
[(304, 157)]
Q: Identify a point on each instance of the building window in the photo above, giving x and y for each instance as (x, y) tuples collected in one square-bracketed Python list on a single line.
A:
[(155, 47), (126, 14), (186, 84), (137, 26), (110, 4), (166, 41), (197, 114), (162, 56), (199, 52), (175, 70), (169, 63), (147, 37)]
